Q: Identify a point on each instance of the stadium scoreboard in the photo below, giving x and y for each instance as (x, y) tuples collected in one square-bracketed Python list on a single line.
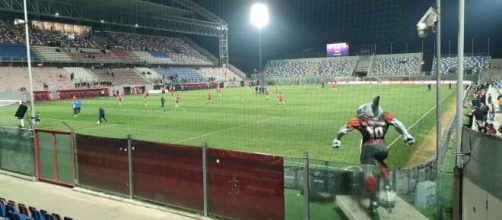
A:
[(337, 49)]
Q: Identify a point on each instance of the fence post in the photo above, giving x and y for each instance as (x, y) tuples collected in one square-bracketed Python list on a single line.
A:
[(204, 177), (75, 157), (73, 152), (306, 203), (130, 148)]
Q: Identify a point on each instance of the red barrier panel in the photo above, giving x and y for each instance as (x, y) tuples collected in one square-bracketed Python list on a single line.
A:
[(83, 93), (41, 95), (103, 163), (245, 186), (197, 86), (168, 174)]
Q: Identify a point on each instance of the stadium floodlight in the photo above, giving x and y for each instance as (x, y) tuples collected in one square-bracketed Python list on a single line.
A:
[(259, 18), (19, 22), (259, 15), (56, 14), (429, 20)]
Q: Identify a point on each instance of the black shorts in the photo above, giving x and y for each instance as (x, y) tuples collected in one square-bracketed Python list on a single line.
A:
[(372, 153)]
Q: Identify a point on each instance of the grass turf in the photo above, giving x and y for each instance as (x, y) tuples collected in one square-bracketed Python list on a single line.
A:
[(243, 121)]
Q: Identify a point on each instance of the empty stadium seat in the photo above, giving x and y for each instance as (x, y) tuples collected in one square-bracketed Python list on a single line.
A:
[(397, 64), (3, 210), (181, 74), (15, 52)]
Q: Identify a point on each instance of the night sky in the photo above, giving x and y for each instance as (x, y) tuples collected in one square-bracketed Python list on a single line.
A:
[(290, 35)]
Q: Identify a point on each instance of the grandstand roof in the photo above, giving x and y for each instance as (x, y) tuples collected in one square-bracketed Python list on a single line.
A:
[(144, 8), (182, 16)]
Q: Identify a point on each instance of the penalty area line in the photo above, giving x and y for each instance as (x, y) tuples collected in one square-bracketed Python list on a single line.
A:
[(417, 121), (226, 129)]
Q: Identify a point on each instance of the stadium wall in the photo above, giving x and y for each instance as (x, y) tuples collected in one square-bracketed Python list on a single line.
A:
[(482, 176)]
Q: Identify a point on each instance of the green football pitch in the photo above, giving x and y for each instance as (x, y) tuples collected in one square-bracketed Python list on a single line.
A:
[(243, 121)]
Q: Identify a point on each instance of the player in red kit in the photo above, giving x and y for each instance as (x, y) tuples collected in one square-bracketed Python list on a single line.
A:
[(333, 85), (373, 123), (280, 99), (209, 97), (145, 95), (120, 98), (267, 93), (218, 89), (177, 100)]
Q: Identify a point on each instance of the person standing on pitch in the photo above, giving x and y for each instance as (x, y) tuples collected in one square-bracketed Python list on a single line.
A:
[(162, 102), (102, 116), (178, 97), (76, 107), (429, 87)]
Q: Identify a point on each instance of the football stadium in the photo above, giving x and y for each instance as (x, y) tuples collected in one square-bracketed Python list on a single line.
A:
[(233, 109)]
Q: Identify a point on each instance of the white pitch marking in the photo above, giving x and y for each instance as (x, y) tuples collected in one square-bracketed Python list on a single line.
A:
[(416, 122)]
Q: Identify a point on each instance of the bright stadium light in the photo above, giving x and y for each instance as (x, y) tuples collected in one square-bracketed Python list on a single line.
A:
[(259, 18), (259, 15)]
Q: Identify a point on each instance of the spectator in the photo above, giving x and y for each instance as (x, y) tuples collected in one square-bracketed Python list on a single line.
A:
[(491, 111), (500, 103), (478, 117), (490, 130)]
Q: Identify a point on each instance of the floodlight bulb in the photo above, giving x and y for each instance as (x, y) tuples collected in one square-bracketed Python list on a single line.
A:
[(259, 15)]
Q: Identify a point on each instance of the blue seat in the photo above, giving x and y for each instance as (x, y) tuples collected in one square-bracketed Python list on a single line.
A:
[(14, 216), (36, 214), (12, 209), (67, 218), (3, 211)]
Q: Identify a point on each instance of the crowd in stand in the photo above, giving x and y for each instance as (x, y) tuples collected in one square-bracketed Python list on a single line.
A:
[(7, 35), (484, 109), (474, 64), (286, 68), (396, 65), (16, 34), (336, 67), (176, 49)]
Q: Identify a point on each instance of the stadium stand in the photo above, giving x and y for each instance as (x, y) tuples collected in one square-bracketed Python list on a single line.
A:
[(287, 68), (15, 52), (339, 66), (52, 54), (181, 74), (19, 211), (147, 58), (397, 64), (80, 74), (475, 64), (55, 46), (126, 56), (16, 79), (219, 74), (119, 76), (150, 74), (6, 34), (159, 47), (87, 55)]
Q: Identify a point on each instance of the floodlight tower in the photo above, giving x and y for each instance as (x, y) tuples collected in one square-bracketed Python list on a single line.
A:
[(259, 18)]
